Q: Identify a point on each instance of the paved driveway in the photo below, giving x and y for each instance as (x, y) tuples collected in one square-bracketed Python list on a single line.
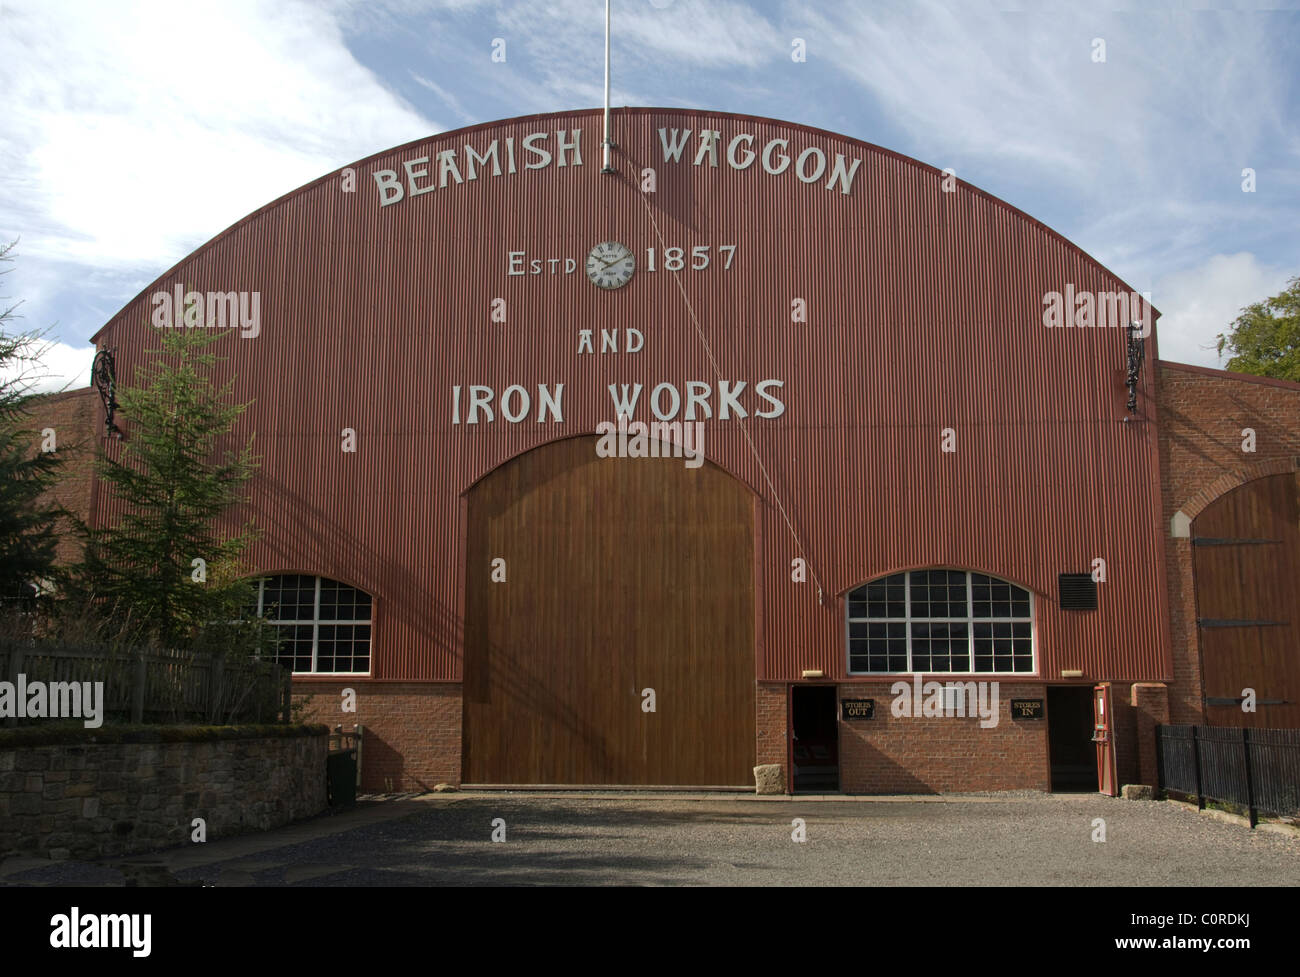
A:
[(446, 839)]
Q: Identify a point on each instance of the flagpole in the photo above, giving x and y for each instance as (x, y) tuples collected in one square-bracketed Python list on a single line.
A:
[(608, 143)]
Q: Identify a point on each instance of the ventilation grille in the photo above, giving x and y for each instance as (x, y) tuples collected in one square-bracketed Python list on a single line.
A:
[(1078, 592)]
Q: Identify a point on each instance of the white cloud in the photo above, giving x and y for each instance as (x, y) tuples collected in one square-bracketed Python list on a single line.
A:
[(562, 43), (66, 367), (714, 34), (134, 132), (55, 366), (1136, 159), (918, 62), (1020, 90), (446, 97), (1198, 303)]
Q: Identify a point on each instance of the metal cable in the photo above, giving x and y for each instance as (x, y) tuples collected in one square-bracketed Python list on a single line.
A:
[(744, 428)]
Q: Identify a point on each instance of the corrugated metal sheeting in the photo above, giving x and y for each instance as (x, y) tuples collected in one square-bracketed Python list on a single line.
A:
[(924, 312)]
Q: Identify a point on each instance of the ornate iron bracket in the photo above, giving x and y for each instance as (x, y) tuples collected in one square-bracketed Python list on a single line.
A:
[(1136, 351), (103, 374)]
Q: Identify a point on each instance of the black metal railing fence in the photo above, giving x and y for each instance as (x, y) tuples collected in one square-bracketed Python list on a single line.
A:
[(1254, 769)]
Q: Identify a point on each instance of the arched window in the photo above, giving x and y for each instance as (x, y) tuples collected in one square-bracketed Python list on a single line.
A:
[(324, 624), (940, 621)]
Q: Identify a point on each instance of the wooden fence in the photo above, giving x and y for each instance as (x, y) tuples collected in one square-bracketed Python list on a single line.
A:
[(157, 686)]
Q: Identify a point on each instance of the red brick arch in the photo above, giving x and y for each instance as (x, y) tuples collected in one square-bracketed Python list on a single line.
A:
[(1235, 479)]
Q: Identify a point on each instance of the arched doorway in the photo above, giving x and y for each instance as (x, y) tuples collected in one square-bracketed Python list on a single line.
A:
[(621, 576), (1246, 561)]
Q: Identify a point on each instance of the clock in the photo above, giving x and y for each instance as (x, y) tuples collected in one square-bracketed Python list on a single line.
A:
[(610, 265)]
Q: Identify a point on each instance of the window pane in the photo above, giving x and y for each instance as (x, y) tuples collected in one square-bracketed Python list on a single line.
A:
[(339, 602), (958, 622), (250, 606), (295, 647), (306, 599), (920, 594), (329, 601), (290, 600), (271, 598), (882, 598), (360, 605)]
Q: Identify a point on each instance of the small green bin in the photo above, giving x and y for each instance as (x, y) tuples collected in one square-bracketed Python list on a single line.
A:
[(341, 778)]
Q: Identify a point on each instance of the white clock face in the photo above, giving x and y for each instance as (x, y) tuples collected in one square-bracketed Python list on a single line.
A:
[(610, 265)]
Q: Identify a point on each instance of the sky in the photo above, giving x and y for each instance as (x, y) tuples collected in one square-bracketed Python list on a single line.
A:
[(134, 131)]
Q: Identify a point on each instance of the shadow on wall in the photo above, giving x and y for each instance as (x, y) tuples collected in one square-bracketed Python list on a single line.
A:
[(872, 771), (930, 756), (382, 764), (1225, 454), (396, 587)]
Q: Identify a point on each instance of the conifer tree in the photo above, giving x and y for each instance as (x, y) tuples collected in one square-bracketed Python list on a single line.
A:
[(166, 562), (28, 521)]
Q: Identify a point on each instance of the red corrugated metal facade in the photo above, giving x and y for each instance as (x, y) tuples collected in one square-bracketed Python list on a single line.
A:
[(924, 312)]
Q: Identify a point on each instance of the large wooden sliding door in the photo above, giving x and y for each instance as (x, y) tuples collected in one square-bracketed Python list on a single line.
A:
[(1246, 548), (621, 575)]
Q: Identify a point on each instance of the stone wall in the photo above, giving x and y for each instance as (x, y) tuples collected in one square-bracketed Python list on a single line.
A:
[(121, 790)]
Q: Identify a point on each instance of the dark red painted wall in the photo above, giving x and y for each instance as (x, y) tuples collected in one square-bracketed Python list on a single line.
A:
[(925, 312)]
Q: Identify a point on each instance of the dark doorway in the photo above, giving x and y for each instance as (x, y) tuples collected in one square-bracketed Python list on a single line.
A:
[(1069, 730), (815, 738)]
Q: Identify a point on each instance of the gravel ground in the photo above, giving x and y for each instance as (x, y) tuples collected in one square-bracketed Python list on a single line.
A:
[(1017, 839)]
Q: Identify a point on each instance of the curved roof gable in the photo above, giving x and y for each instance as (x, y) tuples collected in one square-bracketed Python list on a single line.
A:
[(391, 160)]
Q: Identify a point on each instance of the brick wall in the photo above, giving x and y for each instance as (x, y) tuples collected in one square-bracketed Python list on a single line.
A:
[(909, 755), (93, 799), (73, 416), (1124, 731), (1202, 415), (412, 736), (1150, 702)]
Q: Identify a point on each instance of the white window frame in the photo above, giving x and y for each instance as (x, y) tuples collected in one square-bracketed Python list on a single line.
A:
[(969, 620), (316, 623)]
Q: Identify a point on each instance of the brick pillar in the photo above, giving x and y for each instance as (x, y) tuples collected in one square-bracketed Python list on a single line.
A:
[(1150, 702), (770, 702), (1124, 734)]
